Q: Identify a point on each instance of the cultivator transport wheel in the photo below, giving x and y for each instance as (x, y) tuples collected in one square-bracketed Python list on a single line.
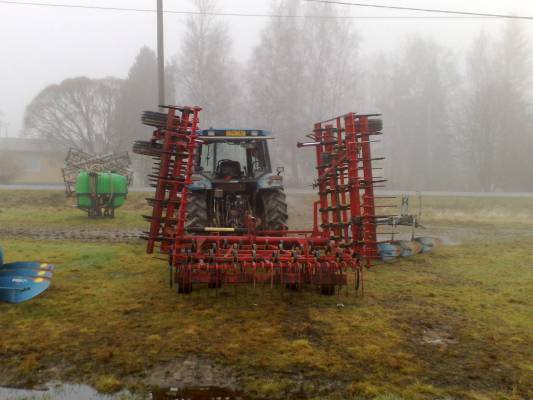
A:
[(374, 125), (155, 119), (196, 213), (274, 209), (148, 148)]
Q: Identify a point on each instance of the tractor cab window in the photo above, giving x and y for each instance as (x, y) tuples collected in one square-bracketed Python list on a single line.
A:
[(233, 159)]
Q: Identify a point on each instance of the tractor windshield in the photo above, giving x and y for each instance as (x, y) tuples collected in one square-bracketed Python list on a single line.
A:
[(243, 159)]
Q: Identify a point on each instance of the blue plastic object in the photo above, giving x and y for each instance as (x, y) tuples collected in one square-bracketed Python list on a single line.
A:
[(428, 243), (17, 289), (23, 280), (32, 273), (388, 251), (27, 265), (408, 247)]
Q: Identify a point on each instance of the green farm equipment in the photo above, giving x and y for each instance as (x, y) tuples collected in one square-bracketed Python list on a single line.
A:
[(99, 193), (100, 183)]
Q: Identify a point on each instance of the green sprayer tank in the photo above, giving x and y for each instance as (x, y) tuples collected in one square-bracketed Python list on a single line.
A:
[(99, 193)]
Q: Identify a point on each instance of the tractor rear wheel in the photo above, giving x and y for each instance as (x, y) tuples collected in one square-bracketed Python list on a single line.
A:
[(374, 125), (327, 289), (274, 210), (196, 211)]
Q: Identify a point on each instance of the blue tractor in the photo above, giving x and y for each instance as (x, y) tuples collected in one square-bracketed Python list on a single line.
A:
[(233, 179)]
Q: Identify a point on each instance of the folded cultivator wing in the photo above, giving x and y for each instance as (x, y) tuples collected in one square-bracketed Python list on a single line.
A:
[(338, 246)]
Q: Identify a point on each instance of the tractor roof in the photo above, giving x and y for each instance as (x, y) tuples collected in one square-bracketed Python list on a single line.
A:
[(235, 134)]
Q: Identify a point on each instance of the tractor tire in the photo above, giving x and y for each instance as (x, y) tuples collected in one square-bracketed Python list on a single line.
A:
[(147, 148), (155, 119), (196, 210), (274, 210), (184, 288), (327, 289), (374, 125)]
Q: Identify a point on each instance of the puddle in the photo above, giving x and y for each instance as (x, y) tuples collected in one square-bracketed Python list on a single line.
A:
[(83, 392), (210, 393), (59, 392)]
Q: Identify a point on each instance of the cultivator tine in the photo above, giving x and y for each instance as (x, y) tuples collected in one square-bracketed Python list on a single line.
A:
[(172, 170)]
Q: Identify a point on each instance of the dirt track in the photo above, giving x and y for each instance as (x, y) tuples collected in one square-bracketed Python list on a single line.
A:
[(115, 235), (300, 206)]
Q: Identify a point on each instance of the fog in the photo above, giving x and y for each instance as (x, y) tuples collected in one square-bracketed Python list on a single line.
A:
[(442, 132)]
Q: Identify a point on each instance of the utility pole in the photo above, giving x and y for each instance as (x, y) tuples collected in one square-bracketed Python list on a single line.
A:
[(160, 54)]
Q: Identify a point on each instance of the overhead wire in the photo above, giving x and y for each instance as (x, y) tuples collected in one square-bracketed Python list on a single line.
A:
[(427, 10), (251, 15)]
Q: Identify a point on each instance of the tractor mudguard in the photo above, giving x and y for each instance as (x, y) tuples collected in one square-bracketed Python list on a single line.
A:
[(270, 181), (200, 183)]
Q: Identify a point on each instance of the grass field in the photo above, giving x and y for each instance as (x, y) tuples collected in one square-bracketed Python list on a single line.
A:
[(454, 324)]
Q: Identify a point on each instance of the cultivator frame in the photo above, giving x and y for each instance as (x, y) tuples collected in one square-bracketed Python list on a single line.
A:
[(343, 241)]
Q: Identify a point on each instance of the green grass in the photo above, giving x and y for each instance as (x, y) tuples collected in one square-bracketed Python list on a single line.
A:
[(498, 210), (454, 324), (51, 209), (110, 317)]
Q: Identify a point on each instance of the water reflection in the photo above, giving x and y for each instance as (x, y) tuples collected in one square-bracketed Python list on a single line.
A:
[(210, 393), (84, 392), (60, 392)]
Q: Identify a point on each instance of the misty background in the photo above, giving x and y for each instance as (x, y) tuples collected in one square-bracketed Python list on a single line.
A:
[(456, 93)]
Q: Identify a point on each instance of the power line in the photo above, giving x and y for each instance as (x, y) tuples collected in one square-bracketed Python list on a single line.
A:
[(224, 14), (471, 14)]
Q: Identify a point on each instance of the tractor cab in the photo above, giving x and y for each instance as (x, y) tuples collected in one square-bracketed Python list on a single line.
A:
[(229, 155), (232, 179)]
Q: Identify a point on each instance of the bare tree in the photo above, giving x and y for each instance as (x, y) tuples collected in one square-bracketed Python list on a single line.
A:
[(480, 135), (415, 94), (205, 70), (302, 71), (514, 72), (497, 110), (77, 113)]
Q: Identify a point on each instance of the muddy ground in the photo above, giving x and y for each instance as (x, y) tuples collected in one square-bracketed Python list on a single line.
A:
[(445, 325), (452, 231)]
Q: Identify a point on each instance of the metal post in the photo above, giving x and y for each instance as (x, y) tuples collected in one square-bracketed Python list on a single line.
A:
[(160, 54)]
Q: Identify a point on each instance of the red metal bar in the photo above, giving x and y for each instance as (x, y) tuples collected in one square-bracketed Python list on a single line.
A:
[(321, 182), (353, 178), (369, 228)]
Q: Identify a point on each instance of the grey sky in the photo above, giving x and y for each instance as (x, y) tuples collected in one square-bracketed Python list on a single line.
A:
[(44, 45)]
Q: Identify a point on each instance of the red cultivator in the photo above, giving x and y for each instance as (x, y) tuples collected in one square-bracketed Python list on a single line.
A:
[(343, 241)]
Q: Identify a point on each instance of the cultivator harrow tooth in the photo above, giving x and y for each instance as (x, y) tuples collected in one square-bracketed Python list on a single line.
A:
[(172, 147)]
